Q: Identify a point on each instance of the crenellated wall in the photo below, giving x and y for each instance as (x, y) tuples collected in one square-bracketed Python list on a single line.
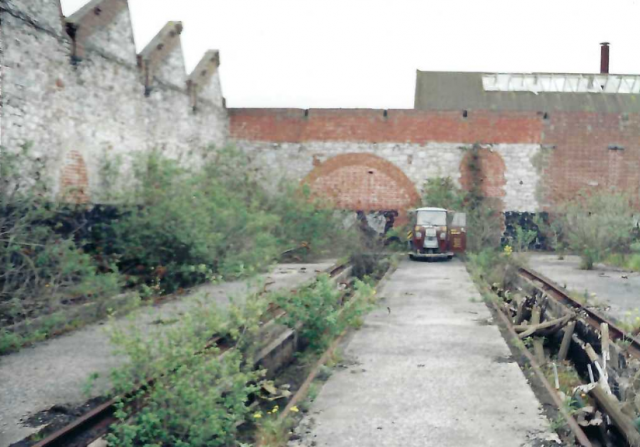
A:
[(76, 90)]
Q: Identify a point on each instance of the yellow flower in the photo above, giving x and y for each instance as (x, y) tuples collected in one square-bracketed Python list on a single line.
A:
[(294, 409), (257, 415)]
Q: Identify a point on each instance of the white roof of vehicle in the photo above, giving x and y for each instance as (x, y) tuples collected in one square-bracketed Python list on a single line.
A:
[(429, 209)]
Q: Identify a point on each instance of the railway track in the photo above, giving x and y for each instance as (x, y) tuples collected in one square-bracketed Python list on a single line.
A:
[(590, 317), (95, 424), (610, 361)]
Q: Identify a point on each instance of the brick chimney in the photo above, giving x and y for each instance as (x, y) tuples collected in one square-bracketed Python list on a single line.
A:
[(604, 57)]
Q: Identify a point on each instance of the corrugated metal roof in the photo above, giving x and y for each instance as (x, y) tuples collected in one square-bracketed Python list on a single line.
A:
[(542, 92)]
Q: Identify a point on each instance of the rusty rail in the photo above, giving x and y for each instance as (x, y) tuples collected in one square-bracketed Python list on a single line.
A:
[(591, 317), (98, 420)]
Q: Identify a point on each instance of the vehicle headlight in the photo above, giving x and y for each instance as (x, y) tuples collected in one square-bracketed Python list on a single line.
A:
[(418, 235), (442, 236)]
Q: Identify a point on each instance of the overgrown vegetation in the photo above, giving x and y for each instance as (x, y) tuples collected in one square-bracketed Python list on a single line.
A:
[(40, 269), (597, 225), (629, 260), (182, 227), (199, 397), (323, 312), (174, 227)]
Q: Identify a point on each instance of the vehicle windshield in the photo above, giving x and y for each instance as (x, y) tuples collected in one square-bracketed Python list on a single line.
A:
[(435, 218)]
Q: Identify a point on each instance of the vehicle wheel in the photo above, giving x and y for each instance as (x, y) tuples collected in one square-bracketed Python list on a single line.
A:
[(449, 258), (413, 258)]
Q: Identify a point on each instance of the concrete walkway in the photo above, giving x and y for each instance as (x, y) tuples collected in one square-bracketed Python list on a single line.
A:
[(54, 372), (428, 368), (617, 290)]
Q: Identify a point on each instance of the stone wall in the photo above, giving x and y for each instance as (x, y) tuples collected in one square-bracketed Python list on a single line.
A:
[(77, 92)]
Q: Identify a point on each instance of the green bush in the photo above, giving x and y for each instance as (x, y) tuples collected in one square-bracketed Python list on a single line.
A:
[(322, 311), (184, 226), (597, 225), (198, 397)]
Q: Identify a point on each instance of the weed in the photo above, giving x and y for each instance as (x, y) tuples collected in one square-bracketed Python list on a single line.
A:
[(631, 321), (198, 398), (322, 310), (9, 342), (89, 385), (271, 432)]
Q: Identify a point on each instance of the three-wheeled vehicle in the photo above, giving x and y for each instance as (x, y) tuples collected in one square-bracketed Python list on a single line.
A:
[(436, 233)]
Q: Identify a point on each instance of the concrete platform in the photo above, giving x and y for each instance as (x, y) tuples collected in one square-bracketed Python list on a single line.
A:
[(54, 372), (428, 368), (618, 294)]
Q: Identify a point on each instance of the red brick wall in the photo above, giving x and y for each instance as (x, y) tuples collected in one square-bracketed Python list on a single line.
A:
[(368, 125), (74, 187), (579, 155), (575, 143), (363, 182)]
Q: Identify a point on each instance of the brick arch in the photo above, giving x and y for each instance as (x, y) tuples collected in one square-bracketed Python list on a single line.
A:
[(74, 179), (491, 170), (363, 182)]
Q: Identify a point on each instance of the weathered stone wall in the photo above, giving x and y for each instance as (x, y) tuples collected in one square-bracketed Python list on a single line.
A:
[(303, 144), (83, 98)]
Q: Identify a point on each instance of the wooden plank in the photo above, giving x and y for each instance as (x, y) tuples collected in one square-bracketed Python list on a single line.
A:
[(611, 407), (566, 341), (533, 328), (604, 341), (538, 346)]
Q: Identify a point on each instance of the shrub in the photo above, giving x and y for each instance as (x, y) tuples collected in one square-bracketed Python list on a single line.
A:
[(184, 226), (40, 269), (496, 268), (596, 225), (322, 311), (198, 397)]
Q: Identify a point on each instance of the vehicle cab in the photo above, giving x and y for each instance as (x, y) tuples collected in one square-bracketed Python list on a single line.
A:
[(436, 233)]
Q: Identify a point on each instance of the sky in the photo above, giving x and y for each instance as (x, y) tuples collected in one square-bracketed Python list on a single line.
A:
[(365, 53)]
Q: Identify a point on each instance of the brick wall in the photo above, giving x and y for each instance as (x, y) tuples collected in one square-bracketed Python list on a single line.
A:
[(587, 151), (527, 161), (81, 100), (376, 126), (419, 144)]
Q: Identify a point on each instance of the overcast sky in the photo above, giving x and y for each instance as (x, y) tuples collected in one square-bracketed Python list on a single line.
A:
[(364, 53)]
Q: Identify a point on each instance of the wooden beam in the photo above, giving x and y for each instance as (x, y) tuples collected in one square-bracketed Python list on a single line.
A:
[(611, 407), (566, 341)]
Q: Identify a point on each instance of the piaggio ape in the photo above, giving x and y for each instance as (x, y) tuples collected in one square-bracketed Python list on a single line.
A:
[(436, 233)]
